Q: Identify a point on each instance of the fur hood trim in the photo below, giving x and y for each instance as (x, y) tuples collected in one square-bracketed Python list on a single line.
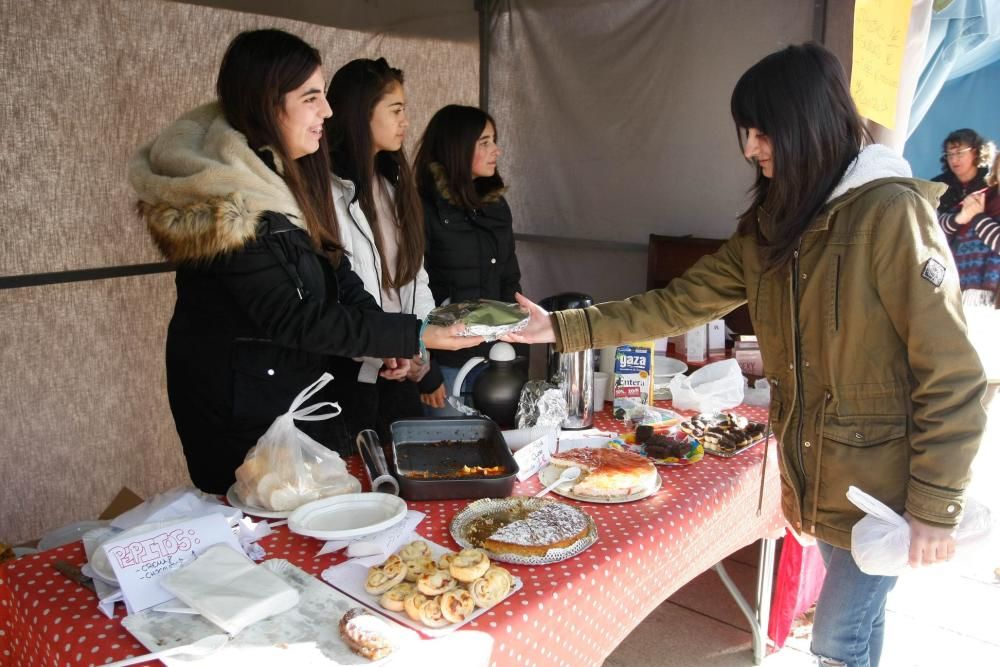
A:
[(441, 183), (202, 189), (872, 163)]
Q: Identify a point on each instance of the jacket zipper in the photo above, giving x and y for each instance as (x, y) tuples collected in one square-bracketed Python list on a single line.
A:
[(797, 372), (371, 246), (836, 298)]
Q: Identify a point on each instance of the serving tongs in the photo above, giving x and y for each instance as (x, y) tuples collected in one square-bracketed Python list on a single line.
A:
[(376, 468)]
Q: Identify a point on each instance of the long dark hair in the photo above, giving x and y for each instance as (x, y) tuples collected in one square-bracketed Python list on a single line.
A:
[(984, 149), (450, 140), (259, 68), (799, 97), (353, 93)]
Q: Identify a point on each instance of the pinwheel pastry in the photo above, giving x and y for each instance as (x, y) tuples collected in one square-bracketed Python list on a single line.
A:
[(491, 587), (431, 615), (383, 577), (469, 565), (419, 566), (457, 605), (436, 582), (393, 598)]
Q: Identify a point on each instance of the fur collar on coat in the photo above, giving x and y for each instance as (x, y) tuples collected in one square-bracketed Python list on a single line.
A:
[(441, 183), (202, 188)]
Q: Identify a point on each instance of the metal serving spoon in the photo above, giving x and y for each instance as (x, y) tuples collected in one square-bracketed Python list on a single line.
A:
[(568, 475), (200, 648)]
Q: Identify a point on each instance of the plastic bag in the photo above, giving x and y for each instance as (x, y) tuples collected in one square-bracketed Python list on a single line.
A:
[(717, 386), (759, 395), (287, 468), (880, 542)]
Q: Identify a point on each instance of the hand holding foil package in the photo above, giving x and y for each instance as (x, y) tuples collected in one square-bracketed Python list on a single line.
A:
[(483, 317)]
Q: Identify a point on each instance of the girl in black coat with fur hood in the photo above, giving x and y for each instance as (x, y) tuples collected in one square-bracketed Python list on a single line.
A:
[(237, 194)]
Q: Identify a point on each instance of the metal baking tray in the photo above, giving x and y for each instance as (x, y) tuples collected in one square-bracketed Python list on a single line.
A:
[(440, 448)]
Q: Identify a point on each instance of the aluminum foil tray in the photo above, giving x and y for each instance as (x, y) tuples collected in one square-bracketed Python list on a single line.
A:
[(463, 523)]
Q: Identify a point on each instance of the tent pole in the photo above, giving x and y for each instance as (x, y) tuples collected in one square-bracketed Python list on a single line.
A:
[(819, 21), (483, 7)]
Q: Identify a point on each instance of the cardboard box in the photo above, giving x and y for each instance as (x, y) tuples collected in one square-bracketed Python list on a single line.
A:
[(747, 354), (693, 344), (716, 336)]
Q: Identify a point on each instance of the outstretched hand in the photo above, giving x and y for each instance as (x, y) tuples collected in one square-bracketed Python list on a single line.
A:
[(539, 329), (972, 206), (929, 544), (395, 368), (448, 338)]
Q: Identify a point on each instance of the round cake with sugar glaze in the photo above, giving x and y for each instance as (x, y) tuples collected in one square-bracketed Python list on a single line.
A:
[(552, 526)]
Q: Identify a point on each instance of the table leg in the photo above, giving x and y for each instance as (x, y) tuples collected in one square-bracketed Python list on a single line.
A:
[(758, 616)]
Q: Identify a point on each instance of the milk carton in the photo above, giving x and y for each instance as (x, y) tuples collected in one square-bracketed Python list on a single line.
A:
[(633, 374)]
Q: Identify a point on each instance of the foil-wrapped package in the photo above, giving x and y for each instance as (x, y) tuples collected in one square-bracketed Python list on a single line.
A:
[(483, 317), (541, 404)]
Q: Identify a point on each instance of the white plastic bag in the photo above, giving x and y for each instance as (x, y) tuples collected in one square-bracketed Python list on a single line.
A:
[(287, 468), (717, 386), (880, 542)]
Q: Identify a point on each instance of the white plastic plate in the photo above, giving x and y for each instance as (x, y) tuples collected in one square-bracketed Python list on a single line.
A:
[(347, 515)]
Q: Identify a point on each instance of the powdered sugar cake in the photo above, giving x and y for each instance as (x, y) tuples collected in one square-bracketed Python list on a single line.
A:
[(552, 526), (608, 473)]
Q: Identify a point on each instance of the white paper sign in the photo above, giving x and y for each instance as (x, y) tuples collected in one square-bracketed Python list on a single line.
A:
[(531, 458), (141, 559)]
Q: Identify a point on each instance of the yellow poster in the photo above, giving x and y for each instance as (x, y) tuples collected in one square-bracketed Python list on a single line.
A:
[(880, 28)]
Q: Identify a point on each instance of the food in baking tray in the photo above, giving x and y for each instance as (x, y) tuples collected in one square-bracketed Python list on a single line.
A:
[(439, 596), (724, 433), (608, 473)]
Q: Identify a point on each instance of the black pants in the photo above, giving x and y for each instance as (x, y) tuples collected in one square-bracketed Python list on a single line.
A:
[(376, 406)]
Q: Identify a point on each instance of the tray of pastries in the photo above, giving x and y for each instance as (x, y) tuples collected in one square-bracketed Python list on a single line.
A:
[(724, 433), (426, 586), (524, 530)]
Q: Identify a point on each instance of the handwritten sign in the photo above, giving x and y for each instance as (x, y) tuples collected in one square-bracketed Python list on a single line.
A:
[(880, 28), (531, 458), (141, 559)]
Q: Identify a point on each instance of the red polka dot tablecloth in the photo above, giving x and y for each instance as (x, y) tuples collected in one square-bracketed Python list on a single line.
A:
[(572, 613)]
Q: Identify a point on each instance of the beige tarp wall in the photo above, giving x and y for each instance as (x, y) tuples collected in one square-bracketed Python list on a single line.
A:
[(615, 121), (83, 407)]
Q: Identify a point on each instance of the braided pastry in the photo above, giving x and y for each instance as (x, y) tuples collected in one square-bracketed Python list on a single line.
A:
[(457, 605), (436, 583), (365, 634), (469, 565)]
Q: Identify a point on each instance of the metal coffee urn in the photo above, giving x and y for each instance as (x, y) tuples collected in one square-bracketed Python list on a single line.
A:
[(573, 372)]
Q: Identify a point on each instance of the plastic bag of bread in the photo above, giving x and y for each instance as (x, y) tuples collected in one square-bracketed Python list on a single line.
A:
[(287, 468)]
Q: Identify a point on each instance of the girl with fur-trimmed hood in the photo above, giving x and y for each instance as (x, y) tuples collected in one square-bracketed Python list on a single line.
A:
[(237, 194)]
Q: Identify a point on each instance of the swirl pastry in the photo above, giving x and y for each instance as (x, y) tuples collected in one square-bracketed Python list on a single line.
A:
[(430, 614), (487, 591), (436, 582), (457, 605), (393, 598), (414, 550), (503, 573), (383, 577), (418, 566), (412, 605), (444, 561), (469, 565)]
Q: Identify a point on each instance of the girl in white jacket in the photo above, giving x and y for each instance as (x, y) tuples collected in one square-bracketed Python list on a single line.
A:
[(381, 226)]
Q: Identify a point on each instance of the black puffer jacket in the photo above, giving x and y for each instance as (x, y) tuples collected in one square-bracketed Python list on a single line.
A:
[(469, 254), (260, 313)]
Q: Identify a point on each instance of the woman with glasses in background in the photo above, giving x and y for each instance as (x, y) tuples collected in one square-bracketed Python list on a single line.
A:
[(966, 159)]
